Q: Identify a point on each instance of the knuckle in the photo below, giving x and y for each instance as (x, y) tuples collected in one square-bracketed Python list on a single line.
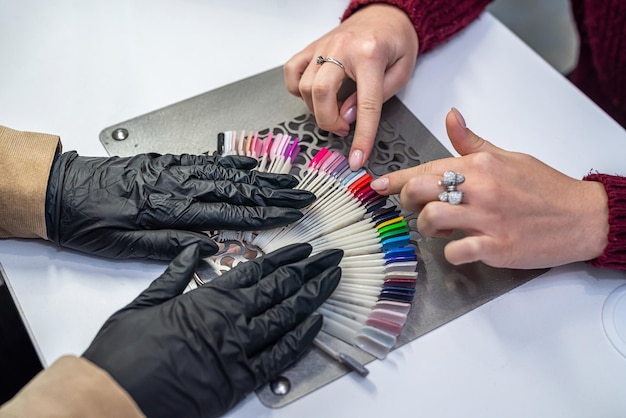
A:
[(362, 46), (368, 45), (428, 217), (412, 188), (485, 162), (289, 67), (322, 89), (369, 105)]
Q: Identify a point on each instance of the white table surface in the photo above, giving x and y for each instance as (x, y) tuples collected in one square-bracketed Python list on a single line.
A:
[(75, 67)]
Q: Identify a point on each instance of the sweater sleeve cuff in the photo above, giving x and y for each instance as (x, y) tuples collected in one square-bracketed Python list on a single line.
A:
[(25, 161), (614, 255), (71, 387), (435, 21)]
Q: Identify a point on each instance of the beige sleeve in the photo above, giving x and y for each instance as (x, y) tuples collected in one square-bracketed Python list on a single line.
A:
[(25, 161), (71, 387)]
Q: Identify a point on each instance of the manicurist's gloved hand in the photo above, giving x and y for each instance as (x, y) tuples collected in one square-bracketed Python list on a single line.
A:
[(151, 206), (199, 353)]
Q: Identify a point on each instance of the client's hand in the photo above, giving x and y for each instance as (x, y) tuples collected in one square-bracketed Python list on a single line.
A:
[(152, 206), (377, 47), (199, 353), (516, 211)]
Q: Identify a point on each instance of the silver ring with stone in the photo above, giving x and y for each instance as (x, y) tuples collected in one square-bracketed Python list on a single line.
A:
[(450, 178), (451, 194), (321, 60)]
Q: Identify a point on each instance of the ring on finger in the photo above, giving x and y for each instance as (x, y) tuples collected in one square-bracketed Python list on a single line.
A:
[(449, 182), (321, 60)]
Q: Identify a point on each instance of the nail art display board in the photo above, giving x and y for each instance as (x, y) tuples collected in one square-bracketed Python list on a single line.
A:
[(260, 103)]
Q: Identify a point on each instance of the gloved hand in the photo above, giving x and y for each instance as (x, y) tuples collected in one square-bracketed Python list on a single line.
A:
[(151, 206), (199, 353)]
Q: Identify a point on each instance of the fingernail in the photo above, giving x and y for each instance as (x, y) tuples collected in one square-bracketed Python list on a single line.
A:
[(350, 115), (459, 117), (356, 160), (380, 184)]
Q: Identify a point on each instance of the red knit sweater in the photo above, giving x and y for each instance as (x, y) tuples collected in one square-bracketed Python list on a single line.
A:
[(600, 73), (601, 69)]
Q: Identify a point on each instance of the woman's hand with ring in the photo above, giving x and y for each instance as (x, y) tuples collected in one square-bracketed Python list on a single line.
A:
[(377, 47), (516, 211)]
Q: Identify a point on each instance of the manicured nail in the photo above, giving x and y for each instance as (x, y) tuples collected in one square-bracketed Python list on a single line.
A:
[(459, 117), (350, 115), (356, 160), (380, 184)]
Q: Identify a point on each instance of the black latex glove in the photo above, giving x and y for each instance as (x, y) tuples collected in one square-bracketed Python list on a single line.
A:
[(152, 206), (199, 353)]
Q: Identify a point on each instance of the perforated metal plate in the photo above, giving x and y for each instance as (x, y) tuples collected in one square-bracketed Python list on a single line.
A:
[(444, 292)]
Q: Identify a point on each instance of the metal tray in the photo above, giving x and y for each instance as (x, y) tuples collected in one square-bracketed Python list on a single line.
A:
[(444, 292)]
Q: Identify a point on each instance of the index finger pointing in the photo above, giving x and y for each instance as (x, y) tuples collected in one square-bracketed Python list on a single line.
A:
[(369, 106), (392, 183)]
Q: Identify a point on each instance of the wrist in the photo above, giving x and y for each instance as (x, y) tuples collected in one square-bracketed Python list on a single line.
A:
[(54, 194), (595, 234)]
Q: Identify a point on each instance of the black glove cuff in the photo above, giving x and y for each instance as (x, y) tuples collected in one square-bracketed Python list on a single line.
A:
[(54, 193)]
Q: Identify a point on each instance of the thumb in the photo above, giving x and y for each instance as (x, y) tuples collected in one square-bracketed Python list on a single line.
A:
[(172, 282), (462, 138)]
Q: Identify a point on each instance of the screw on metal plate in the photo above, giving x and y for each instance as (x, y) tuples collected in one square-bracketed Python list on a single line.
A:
[(119, 134), (280, 385)]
